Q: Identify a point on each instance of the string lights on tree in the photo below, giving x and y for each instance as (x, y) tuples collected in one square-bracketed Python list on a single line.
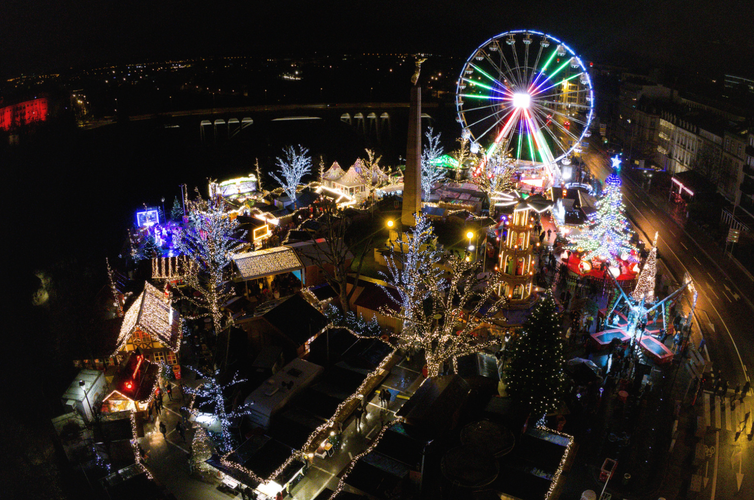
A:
[(431, 171), (294, 165), (606, 235), (209, 238), (494, 175), (535, 375), (211, 391), (445, 328)]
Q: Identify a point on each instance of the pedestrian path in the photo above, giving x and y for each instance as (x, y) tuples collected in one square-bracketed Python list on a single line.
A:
[(725, 415)]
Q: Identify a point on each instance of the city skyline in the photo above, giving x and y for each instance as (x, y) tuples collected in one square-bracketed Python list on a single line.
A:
[(43, 37)]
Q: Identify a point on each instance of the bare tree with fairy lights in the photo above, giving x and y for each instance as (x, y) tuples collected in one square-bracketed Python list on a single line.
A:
[(335, 247), (440, 307), (535, 375), (209, 238), (295, 164), (431, 171), (495, 176), (211, 396), (370, 172)]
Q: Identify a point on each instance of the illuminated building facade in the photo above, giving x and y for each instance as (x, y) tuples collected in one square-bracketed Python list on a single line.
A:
[(23, 113)]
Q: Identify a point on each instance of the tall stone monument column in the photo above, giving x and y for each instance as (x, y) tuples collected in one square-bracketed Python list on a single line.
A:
[(412, 192)]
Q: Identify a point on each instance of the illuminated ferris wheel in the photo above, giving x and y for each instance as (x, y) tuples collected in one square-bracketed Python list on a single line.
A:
[(526, 93)]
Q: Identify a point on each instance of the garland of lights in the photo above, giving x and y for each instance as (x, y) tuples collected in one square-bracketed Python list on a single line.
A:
[(606, 235), (446, 331), (113, 289), (563, 460), (135, 446), (367, 451), (317, 434)]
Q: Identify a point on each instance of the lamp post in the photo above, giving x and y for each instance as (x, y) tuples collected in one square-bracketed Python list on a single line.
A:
[(82, 384), (470, 236)]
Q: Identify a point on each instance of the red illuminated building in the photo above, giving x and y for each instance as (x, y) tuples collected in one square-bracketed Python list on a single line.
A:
[(23, 113)]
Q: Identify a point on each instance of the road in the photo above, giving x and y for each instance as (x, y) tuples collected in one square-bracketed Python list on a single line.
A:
[(724, 316)]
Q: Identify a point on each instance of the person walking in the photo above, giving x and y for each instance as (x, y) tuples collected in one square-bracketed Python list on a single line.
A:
[(357, 413), (169, 390), (163, 429), (179, 429)]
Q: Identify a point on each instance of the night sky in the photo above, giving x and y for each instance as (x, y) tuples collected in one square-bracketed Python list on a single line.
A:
[(49, 35)]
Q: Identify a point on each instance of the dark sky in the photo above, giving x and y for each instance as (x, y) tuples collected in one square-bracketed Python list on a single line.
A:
[(44, 35)]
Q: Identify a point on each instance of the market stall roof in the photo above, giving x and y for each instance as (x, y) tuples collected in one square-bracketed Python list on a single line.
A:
[(75, 392), (538, 203), (268, 262), (151, 314), (296, 319), (312, 251), (432, 407), (333, 173), (352, 178)]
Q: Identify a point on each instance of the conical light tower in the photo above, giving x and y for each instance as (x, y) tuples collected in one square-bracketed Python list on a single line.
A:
[(645, 285)]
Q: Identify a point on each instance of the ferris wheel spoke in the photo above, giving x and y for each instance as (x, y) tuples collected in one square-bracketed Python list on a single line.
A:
[(482, 96), (539, 140), (544, 67), (499, 119), (515, 60), (558, 142), (564, 130), (480, 108), (560, 68), (497, 67), (543, 118), (556, 84), (556, 103), (484, 86), (511, 73), (563, 115), (491, 78), (530, 79)]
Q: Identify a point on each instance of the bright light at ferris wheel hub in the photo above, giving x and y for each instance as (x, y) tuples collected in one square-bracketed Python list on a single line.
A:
[(521, 100)]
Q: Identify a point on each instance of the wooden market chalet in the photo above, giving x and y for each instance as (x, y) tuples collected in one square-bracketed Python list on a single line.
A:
[(149, 336)]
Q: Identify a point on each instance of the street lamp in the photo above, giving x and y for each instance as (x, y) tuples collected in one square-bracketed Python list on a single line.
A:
[(82, 384)]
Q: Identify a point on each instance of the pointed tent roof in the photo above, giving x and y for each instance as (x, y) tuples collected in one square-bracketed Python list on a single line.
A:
[(352, 178), (333, 173), (152, 315)]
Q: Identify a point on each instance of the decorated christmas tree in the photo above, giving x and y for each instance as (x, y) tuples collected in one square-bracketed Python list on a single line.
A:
[(176, 213), (607, 234), (535, 375), (201, 451)]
